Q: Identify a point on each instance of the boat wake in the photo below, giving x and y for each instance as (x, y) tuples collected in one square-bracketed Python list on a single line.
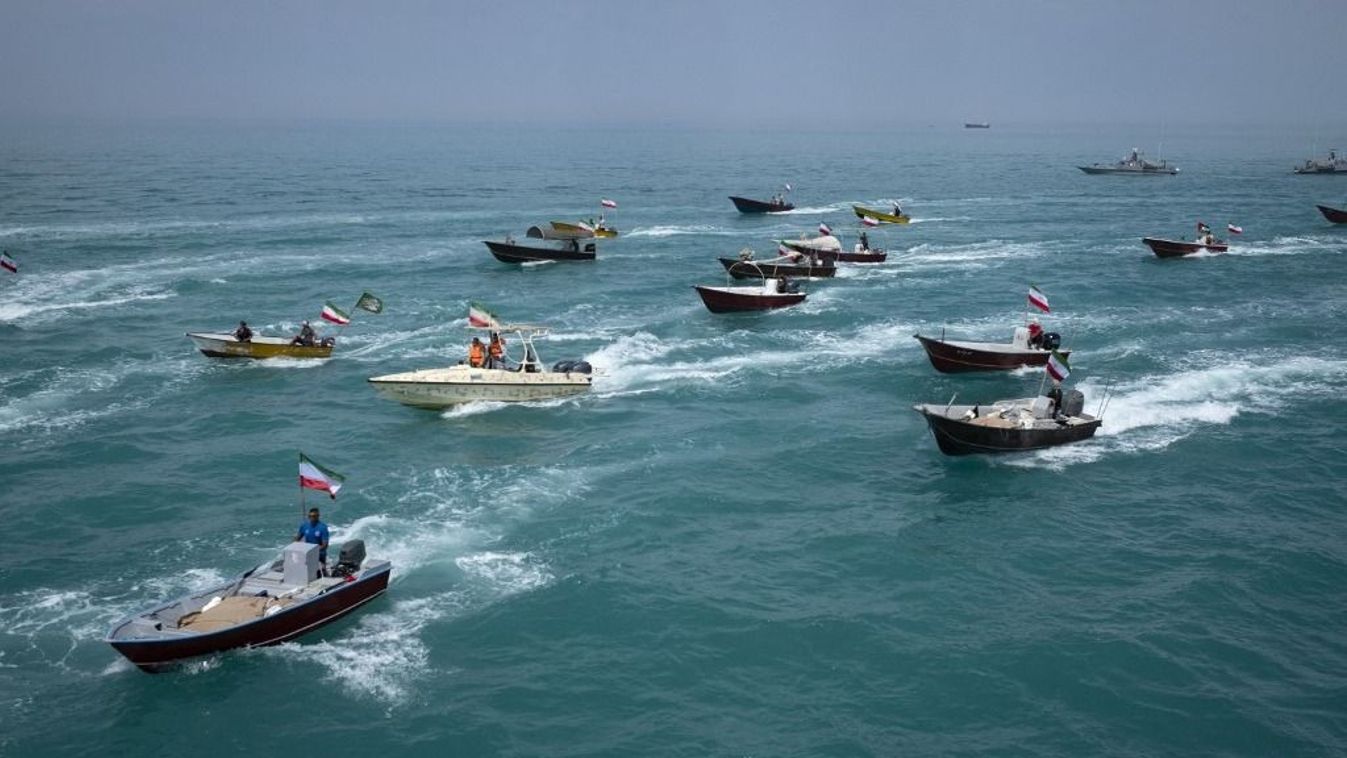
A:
[(1287, 246), (978, 255), (675, 231)]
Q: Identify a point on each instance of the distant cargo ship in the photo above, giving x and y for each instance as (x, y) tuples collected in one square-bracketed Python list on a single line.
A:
[(979, 125)]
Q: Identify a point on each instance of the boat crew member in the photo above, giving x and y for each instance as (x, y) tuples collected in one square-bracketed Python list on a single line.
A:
[(306, 337), (865, 241), (1035, 333), (243, 333), (1055, 395), (314, 532), (476, 353), (600, 226), (495, 352), (897, 209)]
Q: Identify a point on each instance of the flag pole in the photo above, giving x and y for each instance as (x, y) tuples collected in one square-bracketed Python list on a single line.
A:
[(301, 491)]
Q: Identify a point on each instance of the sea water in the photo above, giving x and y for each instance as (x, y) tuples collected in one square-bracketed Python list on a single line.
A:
[(742, 541)]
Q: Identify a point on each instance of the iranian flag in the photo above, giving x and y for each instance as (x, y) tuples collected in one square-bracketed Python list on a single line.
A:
[(868, 221), (1038, 299), (1058, 368), (478, 315), (608, 203), (825, 229), (8, 264), (783, 250), (314, 477), (1202, 228), (1234, 229), (334, 314)]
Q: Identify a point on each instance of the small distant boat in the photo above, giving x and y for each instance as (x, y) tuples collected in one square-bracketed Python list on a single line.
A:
[(570, 250), (1135, 163), (882, 216), (746, 205), (772, 293), (1333, 214), (803, 266), (829, 248), (961, 356), (528, 380), (579, 228), (222, 345), (1164, 248), (1008, 426), (274, 602), (1334, 164), (977, 125)]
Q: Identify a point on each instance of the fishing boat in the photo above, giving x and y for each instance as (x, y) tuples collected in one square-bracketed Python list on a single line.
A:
[(772, 293), (1134, 164), (829, 248), (1164, 248), (1333, 164), (222, 345), (796, 266), (272, 603), (1333, 214), (881, 216), (1008, 426), (463, 383), (580, 227), (776, 205), (960, 356), (568, 249)]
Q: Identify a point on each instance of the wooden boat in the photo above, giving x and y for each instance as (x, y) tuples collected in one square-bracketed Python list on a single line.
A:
[(275, 602), (834, 252), (1333, 214), (528, 380), (1135, 164), (778, 267), (958, 356), (746, 205), (509, 252), (222, 345), (881, 216), (772, 293), (580, 227), (1164, 248), (1008, 426)]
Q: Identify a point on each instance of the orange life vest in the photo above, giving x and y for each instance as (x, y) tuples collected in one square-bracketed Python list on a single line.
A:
[(497, 348), (476, 355)]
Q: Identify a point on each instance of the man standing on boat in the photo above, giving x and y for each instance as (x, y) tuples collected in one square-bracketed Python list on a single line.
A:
[(477, 353), (315, 532), (243, 333), (495, 352)]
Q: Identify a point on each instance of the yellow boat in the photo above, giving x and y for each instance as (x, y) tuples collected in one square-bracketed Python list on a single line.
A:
[(221, 345), (582, 228), (878, 215)]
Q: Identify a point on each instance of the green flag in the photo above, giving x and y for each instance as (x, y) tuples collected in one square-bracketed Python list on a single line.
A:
[(368, 302)]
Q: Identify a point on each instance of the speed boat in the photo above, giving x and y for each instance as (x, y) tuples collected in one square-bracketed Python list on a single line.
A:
[(223, 345), (595, 230), (272, 603), (828, 248), (1164, 248), (1007, 426), (1336, 215), (746, 205), (462, 383), (774, 292), (886, 217), (960, 356)]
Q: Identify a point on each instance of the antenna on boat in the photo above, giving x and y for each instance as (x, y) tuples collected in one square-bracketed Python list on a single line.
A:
[(1103, 401), (950, 403)]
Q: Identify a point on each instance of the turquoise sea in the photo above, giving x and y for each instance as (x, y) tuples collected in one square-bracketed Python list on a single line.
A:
[(743, 541)]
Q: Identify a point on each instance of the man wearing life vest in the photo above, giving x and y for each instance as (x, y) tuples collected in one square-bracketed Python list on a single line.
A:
[(496, 352), (476, 353), (1035, 333)]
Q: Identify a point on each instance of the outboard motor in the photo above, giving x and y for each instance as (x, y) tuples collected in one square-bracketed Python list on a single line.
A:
[(581, 367), (562, 367), (1073, 403), (1051, 340), (352, 555)]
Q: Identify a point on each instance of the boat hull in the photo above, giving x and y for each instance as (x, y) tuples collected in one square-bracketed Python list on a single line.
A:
[(447, 387), (965, 357), (878, 215), (760, 269), (1333, 214), (510, 253), (873, 256), (747, 205), (740, 299), (220, 345), (1164, 248), (154, 655), (955, 436), (1128, 171)]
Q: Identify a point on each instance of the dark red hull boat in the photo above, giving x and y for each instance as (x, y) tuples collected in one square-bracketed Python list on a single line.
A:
[(739, 299), (1164, 248), (506, 252), (957, 357), (747, 205), (741, 270), (1333, 214)]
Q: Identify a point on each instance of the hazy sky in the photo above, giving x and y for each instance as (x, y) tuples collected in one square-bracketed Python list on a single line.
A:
[(816, 64)]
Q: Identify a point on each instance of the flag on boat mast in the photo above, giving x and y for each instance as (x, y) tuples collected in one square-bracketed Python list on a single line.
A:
[(788, 187), (605, 202), (1058, 368), (1038, 299), (825, 229), (1202, 228), (1234, 229), (8, 264), (368, 302), (478, 315), (334, 314), (782, 250), (313, 476), (869, 221)]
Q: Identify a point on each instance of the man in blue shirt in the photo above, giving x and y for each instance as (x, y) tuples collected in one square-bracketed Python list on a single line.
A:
[(314, 532)]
